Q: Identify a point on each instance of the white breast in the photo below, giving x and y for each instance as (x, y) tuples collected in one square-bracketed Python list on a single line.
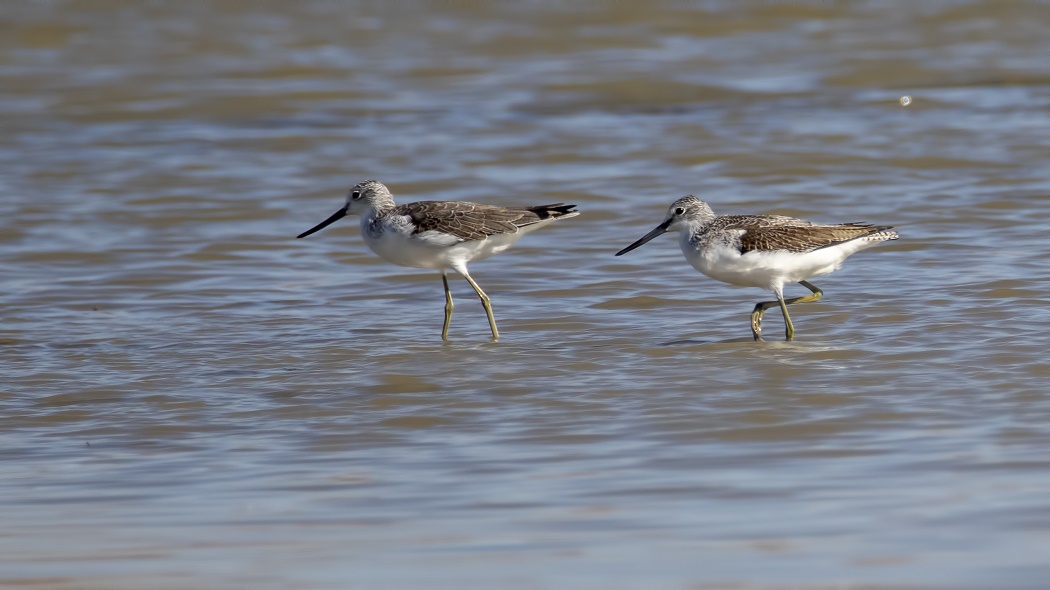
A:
[(397, 244), (767, 270)]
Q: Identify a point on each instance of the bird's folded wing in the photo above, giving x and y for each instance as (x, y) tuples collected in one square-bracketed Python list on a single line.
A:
[(468, 221), (800, 238)]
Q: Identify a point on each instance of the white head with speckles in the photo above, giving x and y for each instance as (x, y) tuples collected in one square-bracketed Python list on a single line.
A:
[(684, 214), (363, 197), (370, 194)]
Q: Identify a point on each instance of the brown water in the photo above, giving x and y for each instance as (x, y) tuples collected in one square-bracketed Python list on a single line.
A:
[(191, 397)]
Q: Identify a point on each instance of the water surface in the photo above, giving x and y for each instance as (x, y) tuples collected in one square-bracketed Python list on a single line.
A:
[(191, 397)]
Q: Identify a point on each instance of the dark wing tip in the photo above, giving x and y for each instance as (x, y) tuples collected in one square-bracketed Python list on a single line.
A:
[(553, 210)]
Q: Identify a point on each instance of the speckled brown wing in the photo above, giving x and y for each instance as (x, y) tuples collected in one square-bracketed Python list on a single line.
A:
[(474, 221), (795, 235)]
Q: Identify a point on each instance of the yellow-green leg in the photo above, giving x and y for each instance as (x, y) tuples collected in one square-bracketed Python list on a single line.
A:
[(756, 317), (486, 303), (789, 328), (448, 308), (760, 309)]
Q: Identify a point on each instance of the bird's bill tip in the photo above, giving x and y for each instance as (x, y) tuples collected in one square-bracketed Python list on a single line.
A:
[(334, 217), (657, 231)]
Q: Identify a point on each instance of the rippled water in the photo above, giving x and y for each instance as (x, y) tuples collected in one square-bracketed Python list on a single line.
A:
[(190, 396)]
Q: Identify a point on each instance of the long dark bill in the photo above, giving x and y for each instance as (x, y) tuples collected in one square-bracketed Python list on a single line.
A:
[(334, 218), (657, 231)]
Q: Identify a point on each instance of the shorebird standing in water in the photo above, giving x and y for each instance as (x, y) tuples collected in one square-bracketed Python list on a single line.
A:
[(763, 250), (442, 235)]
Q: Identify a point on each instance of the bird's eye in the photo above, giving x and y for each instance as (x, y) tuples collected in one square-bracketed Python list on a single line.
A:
[(679, 210), (355, 195)]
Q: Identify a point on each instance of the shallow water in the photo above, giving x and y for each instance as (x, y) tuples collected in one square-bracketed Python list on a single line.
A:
[(191, 396)]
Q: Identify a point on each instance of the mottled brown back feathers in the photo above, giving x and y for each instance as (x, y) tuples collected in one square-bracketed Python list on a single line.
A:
[(773, 232), (474, 221)]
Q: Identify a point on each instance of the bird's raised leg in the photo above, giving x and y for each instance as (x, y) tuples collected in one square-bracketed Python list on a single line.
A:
[(815, 296), (485, 302), (760, 309), (448, 308)]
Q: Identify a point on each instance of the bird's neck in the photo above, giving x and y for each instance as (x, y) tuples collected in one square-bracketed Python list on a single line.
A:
[(691, 231), (373, 218), (378, 210), (382, 204)]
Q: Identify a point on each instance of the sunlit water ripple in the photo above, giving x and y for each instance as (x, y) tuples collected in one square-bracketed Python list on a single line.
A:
[(191, 396)]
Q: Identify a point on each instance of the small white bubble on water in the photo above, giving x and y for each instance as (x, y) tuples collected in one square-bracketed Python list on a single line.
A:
[(905, 100)]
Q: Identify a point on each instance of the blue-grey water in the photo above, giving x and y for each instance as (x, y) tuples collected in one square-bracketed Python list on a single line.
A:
[(191, 397)]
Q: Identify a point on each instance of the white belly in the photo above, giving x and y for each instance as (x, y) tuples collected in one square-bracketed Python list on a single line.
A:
[(767, 270), (435, 250)]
